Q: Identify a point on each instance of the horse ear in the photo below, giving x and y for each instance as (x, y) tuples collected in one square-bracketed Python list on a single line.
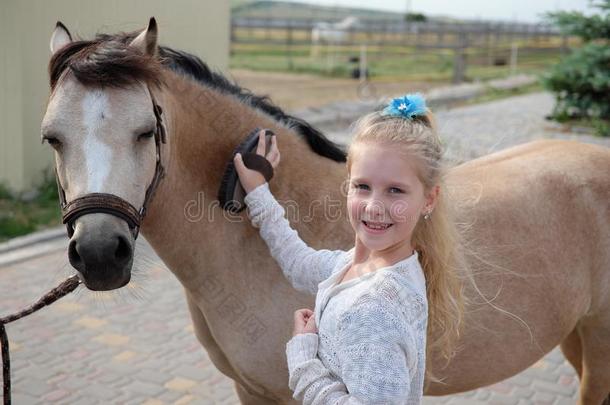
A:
[(146, 41), (60, 37)]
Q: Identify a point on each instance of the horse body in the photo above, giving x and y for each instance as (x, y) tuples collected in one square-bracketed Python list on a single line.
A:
[(540, 210), (537, 271), (518, 202)]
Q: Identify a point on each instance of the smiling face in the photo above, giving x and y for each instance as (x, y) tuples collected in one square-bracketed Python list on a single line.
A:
[(386, 198)]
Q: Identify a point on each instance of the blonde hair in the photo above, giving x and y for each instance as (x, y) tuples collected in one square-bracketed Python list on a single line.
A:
[(437, 239)]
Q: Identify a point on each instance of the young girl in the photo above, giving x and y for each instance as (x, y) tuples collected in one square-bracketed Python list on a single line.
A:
[(373, 302)]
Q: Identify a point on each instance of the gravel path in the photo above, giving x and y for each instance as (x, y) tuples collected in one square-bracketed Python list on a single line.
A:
[(481, 129)]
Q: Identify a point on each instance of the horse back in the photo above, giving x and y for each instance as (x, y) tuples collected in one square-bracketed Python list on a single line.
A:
[(548, 200)]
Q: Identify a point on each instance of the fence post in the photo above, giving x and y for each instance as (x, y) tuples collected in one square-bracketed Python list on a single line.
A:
[(564, 44), (289, 46), (232, 38), (514, 55), (440, 36), (459, 61), (490, 45), (363, 64)]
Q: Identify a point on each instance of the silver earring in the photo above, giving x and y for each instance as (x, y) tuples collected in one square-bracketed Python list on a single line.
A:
[(427, 215)]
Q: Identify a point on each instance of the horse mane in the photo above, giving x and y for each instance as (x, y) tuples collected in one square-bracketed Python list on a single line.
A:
[(109, 61)]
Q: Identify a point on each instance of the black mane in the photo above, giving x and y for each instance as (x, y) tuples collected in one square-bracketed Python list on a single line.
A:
[(187, 64), (108, 60)]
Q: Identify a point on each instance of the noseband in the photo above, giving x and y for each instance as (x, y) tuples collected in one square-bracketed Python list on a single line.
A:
[(110, 203)]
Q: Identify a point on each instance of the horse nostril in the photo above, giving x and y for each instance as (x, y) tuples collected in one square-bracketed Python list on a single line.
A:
[(73, 255), (123, 250)]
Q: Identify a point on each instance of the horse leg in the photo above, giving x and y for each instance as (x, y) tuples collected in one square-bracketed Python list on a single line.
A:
[(595, 382), (203, 334), (571, 348)]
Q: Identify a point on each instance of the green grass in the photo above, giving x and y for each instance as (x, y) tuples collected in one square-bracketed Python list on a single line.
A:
[(496, 94), (390, 62), (594, 126), (18, 217)]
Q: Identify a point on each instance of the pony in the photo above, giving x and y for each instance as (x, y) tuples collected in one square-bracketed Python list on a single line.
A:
[(331, 34), (537, 216)]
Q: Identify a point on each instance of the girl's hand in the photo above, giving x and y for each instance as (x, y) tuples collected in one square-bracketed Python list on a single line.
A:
[(250, 179), (304, 322)]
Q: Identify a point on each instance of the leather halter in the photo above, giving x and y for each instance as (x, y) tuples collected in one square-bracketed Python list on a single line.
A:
[(110, 203)]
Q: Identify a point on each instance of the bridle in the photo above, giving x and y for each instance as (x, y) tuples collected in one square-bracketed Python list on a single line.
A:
[(110, 203)]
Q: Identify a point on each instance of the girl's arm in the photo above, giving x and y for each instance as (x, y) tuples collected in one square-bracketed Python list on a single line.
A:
[(376, 351), (302, 265)]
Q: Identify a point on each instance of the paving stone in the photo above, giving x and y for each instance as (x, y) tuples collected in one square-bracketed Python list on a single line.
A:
[(73, 383), (84, 401), (543, 398), (36, 372), (125, 356), (565, 401), (90, 322), (43, 359), (523, 393), (483, 394), (496, 399), (463, 401), (180, 384), (24, 399), (99, 391), (143, 388), (153, 402), (557, 389), (170, 396), (112, 339), (185, 400), (192, 372), (153, 376), (37, 387), (56, 395)]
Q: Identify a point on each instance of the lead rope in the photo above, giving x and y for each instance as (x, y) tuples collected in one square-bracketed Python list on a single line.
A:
[(58, 292)]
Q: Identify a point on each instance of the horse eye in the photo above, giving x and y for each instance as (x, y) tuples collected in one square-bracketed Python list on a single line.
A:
[(148, 134), (54, 142)]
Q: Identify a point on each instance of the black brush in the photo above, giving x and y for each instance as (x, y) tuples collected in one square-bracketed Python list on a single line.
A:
[(231, 193)]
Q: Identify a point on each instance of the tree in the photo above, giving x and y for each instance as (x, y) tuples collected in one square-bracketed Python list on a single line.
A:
[(581, 81), (415, 17)]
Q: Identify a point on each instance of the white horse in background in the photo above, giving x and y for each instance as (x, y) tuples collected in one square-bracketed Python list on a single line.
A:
[(324, 33)]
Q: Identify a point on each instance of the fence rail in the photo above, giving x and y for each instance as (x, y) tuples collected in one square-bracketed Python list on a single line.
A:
[(462, 39)]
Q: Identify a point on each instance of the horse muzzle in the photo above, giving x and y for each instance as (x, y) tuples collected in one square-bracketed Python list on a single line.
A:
[(101, 250)]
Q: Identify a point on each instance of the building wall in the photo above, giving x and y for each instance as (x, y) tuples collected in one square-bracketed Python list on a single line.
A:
[(201, 27)]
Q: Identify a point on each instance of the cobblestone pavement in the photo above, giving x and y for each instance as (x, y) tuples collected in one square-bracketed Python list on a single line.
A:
[(136, 345)]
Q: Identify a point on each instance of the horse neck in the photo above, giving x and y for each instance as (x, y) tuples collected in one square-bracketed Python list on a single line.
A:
[(204, 127)]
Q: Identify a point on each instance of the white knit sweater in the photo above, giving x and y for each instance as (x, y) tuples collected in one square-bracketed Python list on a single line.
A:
[(370, 346)]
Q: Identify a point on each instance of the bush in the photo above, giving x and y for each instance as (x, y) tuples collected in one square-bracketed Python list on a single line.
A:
[(19, 217), (581, 81)]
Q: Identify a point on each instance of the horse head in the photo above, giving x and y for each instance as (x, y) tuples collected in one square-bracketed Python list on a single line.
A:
[(107, 134)]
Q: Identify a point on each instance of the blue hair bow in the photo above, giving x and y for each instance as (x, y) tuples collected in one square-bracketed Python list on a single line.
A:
[(407, 106)]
